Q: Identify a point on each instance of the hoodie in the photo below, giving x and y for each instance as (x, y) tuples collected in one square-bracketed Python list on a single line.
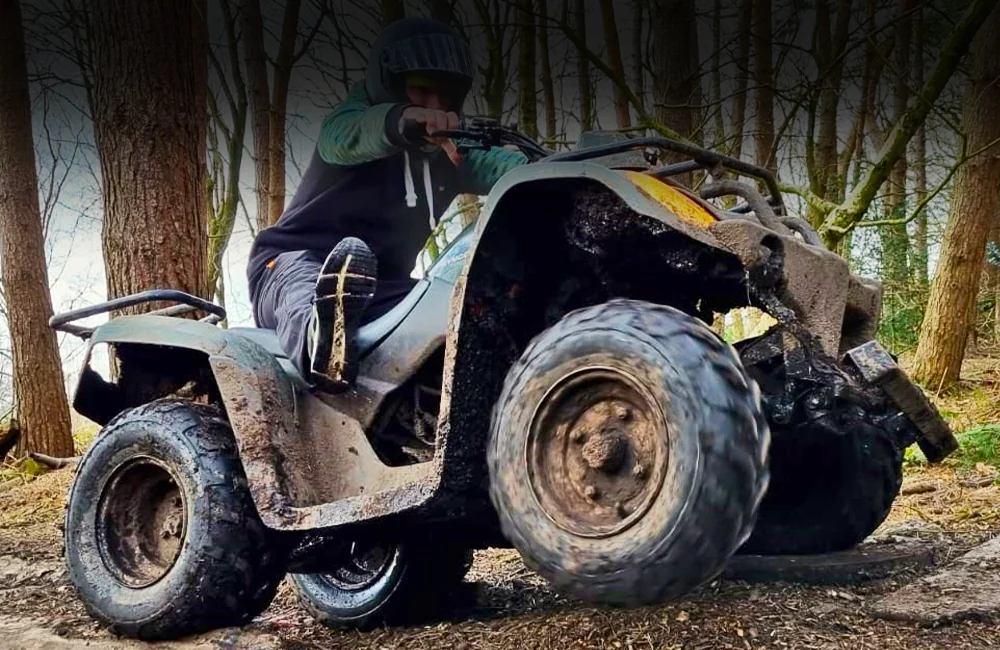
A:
[(366, 180)]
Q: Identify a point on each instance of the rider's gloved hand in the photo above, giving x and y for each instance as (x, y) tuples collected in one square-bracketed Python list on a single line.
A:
[(432, 120)]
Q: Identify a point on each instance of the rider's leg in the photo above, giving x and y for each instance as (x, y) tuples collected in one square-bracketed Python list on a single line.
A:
[(316, 307)]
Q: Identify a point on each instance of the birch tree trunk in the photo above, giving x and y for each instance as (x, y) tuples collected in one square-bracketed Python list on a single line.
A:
[(615, 60)]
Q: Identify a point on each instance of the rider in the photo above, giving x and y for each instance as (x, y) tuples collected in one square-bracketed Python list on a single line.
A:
[(343, 251)]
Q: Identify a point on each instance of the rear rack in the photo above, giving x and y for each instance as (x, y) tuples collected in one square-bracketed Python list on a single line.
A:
[(188, 303)]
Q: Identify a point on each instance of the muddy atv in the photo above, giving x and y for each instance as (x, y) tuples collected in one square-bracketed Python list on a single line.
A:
[(551, 384)]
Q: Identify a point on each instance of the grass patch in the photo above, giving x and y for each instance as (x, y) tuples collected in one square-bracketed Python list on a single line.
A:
[(980, 444)]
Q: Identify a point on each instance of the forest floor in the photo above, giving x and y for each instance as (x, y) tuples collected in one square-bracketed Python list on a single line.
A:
[(951, 507)]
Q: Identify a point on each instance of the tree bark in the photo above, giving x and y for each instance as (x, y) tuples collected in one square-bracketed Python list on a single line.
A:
[(919, 155), (975, 202), (742, 78), (895, 240), (548, 88), (150, 124), (674, 85), (638, 72), (444, 11), (763, 74), (279, 103), (830, 57), (40, 395), (583, 69), (393, 10), (258, 87), (527, 95), (720, 120), (615, 60)]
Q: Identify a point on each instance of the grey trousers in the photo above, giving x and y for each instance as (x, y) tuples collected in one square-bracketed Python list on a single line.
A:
[(284, 303)]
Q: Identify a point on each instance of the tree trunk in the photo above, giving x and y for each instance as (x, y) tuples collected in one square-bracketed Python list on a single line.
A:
[(742, 78), (255, 59), (830, 59), (895, 241), (150, 124), (615, 60), (279, 103), (548, 88), (583, 69), (393, 10), (40, 395), (527, 96), (674, 86), (720, 120), (975, 202), (919, 155), (764, 78), (638, 72), (444, 11)]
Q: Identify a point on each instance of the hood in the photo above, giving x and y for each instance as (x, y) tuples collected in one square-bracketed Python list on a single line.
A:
[(417, 45)]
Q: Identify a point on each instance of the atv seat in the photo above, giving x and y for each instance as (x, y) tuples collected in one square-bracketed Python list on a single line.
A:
[(369, 335)]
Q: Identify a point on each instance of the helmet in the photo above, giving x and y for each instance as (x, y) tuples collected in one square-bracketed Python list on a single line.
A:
[(418, 45)]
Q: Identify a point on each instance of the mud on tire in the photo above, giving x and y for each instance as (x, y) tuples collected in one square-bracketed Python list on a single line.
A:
[(162, 539), (708, 469)]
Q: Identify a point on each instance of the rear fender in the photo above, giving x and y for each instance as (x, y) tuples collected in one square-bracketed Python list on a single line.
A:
[(258, 395)]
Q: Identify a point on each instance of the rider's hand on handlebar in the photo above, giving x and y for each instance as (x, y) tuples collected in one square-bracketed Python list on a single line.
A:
[(433, 120)]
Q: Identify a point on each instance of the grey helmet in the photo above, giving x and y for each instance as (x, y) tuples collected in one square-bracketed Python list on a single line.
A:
[(418, 45)]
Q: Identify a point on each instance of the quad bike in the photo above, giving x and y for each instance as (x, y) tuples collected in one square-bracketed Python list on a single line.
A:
[(551, 384)]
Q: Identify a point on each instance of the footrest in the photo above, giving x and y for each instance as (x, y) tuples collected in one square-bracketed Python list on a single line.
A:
[(878, 368)]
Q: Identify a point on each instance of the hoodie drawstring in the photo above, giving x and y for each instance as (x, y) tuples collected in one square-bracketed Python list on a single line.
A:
[(429, 188), (411, 192)]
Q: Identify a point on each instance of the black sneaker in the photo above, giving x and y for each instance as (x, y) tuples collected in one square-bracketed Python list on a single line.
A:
[(344, 288)]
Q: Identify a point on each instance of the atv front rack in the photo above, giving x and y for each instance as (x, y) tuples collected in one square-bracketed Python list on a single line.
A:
[(64, 322), (767, 211)]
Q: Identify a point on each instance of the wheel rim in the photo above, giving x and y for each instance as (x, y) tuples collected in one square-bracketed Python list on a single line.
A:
[(142, 522), (362, 566), (597, 452)]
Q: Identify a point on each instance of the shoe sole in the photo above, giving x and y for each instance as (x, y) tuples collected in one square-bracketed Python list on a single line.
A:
[(344, 288)]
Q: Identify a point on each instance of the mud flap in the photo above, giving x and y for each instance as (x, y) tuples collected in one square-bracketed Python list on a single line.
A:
[(878, 368)]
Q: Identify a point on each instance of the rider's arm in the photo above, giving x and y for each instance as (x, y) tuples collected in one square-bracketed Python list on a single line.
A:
[(482, 169), (357, 132)]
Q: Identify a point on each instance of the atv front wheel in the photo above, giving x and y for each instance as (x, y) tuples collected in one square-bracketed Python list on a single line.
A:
[(627, 455), (162, 539), (376, 584)]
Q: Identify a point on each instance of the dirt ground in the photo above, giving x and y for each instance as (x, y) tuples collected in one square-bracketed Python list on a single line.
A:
[(508, 607)]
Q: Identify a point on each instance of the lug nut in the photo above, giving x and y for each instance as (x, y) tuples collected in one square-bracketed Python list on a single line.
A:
[(622, 412), (591, 492), (623, 510), (639, 471)]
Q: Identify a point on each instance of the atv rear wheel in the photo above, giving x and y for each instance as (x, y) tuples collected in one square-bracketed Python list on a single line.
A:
[(627, 454), (383, 584), (828, 491), (162, 539)]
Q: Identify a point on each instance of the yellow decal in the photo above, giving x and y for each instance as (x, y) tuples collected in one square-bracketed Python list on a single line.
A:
[(672, 199)]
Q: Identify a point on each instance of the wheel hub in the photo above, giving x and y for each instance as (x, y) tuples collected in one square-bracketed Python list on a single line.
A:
[(361, 565), (597, 452), (141, 522)]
